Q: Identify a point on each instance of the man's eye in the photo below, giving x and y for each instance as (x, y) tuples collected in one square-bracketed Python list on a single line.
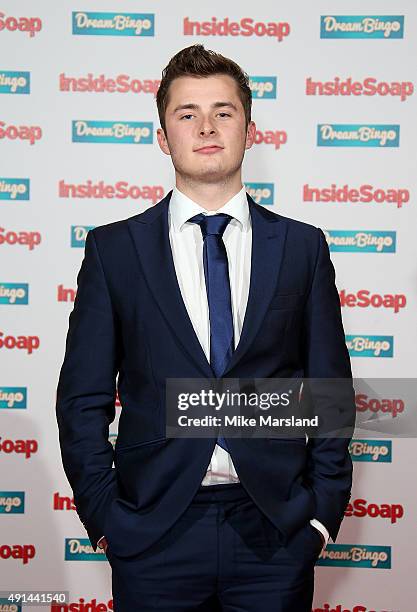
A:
[(186, 116), (224, 114)]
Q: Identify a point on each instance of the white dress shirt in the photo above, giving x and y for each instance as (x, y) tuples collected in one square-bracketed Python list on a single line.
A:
[(187, 249)]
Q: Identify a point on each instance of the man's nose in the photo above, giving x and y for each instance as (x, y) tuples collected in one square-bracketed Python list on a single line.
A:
[(207, 128)]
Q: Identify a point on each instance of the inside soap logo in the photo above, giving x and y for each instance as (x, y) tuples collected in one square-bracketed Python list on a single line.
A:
[(12, 82), (31, 25), (370, 346), (263, 87), (245, 27), (14, 293), (82, 604), (14, 189), (358, 135), (361, 241), (12, 502), (121, 190), (31, 133), (368, 87), (363, 298), (119, 132), (343, 608), (361, 508), (362, 26), (79, 234), (271, 137), (113, 24), (364, 193), (80, 549), (390, 406), (356, 555), (13, 398), (26, 239), (261, 193), (373, 451), (122, 83)]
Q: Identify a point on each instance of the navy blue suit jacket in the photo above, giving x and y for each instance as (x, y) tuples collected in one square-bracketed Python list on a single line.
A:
[(129, 319)]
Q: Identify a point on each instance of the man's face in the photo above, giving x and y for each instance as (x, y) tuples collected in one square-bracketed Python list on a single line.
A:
[(205, 128)]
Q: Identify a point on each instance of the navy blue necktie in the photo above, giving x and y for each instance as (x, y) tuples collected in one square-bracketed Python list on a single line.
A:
[(216, 272)]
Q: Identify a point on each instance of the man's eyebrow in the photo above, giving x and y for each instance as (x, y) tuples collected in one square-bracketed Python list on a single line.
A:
[(192, 106)]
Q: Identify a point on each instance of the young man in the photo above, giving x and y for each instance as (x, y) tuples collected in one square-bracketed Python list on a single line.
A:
[(205, 284)]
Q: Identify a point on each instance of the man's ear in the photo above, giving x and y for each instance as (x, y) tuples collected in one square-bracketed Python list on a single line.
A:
[(250, 134), (162, 141)]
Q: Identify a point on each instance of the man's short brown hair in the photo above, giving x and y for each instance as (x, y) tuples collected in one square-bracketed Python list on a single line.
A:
[(200, 62)]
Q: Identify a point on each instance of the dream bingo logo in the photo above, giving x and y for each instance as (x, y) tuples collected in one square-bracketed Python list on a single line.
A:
[(356, 555), (372, 451), (31, 25), (13, 82), (362, 26), (15, 607), (80, 549), (113, 24), (263, 87), (244, 27), (12, 502), (363, 194), (115, 132), (358, 135), (14, 188), (121, 190), (12, 398), (367, 87), (79, 234), (261, 193), (14, 294), (361, 241), (363, 298), (369, 345), (121, 83)]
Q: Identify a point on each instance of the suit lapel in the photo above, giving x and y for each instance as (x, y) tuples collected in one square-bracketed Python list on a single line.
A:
[(150, 232)]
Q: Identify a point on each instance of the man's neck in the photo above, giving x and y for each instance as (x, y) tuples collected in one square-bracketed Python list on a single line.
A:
[(210, 196)]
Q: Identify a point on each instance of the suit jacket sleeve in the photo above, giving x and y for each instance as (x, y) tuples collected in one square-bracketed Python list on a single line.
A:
[(85, 404), (326, 356)]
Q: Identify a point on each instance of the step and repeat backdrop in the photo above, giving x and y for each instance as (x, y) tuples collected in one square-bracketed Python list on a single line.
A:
[(334, 100)]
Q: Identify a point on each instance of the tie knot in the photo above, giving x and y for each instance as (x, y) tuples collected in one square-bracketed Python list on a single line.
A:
[(211, 225)]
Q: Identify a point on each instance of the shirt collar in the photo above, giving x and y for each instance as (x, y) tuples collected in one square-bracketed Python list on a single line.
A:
[(182, 208)]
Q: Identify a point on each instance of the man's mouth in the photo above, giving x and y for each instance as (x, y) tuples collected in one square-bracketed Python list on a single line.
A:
[(207, 150)]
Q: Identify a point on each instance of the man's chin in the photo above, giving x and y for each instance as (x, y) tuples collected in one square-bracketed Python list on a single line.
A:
[(207, 175)]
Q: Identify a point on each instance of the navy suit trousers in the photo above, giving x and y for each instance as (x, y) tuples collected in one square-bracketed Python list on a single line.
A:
[(223, 554)]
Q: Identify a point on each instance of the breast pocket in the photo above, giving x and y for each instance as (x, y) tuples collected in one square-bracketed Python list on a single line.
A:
[(287, 301)]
